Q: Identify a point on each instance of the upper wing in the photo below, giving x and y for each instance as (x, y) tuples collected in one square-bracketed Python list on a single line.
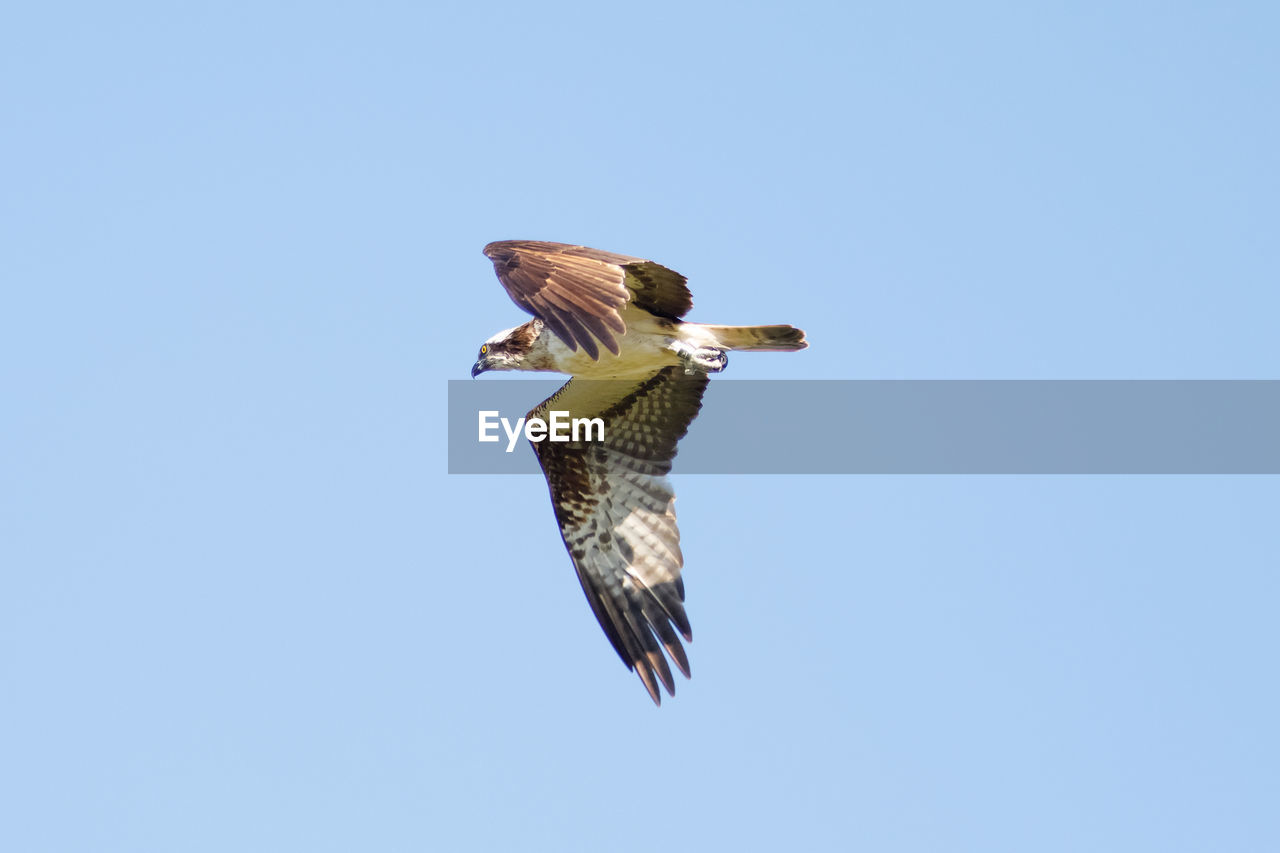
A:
[(616, 511), (579, 292)]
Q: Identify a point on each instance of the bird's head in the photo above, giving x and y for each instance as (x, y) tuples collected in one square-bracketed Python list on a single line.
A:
[(506, 350)]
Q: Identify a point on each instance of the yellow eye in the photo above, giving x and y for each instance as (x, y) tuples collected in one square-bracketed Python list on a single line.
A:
[(484, 349)]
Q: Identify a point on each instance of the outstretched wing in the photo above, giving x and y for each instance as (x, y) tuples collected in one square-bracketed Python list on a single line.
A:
[(579, 292), (616, 511)]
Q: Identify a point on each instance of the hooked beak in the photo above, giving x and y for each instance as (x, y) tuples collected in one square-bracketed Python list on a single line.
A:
[(479, 367)]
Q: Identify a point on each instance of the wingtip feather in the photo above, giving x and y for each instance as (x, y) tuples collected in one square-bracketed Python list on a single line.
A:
[(646, 677)]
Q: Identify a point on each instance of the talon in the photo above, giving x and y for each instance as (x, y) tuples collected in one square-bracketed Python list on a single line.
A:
[(702, 359), (711, 360)]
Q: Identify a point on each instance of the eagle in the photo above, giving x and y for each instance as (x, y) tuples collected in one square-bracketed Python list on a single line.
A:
[(613, 323)]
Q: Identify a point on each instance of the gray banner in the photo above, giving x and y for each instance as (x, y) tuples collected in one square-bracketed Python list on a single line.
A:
[(928, 427)]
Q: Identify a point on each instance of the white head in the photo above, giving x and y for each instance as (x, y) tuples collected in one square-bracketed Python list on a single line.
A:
[(507, 349)]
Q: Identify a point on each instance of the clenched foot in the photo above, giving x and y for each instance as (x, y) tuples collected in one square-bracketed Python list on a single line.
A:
[(701, 359)]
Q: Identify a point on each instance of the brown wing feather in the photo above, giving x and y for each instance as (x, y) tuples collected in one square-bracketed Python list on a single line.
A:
[(616, 512), (579, 292)]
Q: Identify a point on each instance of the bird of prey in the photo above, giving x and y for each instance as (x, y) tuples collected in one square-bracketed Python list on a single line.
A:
[(612, 322)]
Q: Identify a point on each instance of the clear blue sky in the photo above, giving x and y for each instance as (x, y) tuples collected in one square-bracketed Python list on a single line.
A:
[(242, 607)]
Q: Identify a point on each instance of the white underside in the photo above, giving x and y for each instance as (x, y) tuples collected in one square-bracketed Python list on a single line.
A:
[(647, 345)]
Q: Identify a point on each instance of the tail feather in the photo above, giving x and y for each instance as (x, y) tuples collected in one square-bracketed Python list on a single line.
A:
[(759, 338)]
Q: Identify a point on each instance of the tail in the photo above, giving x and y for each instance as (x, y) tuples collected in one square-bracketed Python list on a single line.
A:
[(759, 338)]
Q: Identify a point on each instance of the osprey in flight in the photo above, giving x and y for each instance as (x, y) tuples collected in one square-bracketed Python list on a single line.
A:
[(600, 316)]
